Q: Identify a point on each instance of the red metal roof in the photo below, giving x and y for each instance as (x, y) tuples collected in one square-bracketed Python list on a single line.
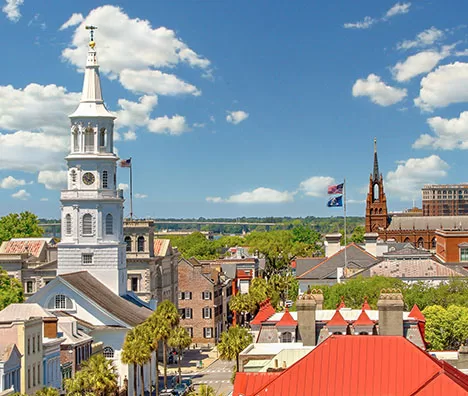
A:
[(266, 310), (365, 304), (416, 313), (364, 366), (247, 383), (337, 320), (363, 320), (287, 320), (342, 303), (244, 274)]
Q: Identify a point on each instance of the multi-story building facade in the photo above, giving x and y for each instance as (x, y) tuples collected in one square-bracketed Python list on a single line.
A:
[(10, 368), (445, 199), (201, 293)]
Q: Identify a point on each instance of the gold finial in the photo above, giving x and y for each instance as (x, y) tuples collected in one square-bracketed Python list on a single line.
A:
[(91, 28)]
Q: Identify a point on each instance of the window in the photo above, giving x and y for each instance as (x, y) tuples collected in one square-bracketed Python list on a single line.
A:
[(185, 295), (206, 295), (109, 224), (185, 313), (104, 179), (134, 283), (29, 346), (87, 258), (286, 337), (60, 301), (38, 374), (463, 254), (206, 313), (141, 244), (102, 137), (108, 352), (29, 286), (34, 344), (75, 139), (38, 343), (34, 375), (68, 224), (89, 140), (87, 224), (207, 332), (128, 241), (189, 331), (29, 377)]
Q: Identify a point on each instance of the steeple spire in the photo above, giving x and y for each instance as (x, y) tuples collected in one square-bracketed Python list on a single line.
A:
[(376, 174)]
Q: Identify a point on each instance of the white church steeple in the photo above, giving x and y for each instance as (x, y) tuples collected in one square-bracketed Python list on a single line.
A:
[(92, 206)]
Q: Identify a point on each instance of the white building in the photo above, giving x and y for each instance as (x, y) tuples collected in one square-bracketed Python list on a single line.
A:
[(91, 268)]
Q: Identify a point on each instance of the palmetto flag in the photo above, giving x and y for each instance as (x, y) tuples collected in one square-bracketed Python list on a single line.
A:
[(336, 189), (126, 163), (335, 201)]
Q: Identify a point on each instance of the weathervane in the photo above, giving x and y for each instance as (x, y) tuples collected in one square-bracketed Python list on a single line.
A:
[(92, 28)]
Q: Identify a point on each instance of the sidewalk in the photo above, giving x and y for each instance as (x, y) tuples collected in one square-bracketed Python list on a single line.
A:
[(191, 359)]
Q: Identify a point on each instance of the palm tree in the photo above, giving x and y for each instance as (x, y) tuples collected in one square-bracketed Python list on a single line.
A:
[(169, 317), (97, 377), (233, 342), (242, 304), (137, 351), (204, 390), (180, 340), (156, 330)]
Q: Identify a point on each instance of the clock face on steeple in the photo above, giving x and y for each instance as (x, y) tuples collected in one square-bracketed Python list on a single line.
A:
[(88, 178)]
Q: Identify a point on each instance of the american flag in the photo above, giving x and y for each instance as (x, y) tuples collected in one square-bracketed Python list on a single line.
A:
[(126, 163), (336, 189)]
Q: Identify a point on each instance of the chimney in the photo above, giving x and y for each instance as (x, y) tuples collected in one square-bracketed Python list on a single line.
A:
[(332, 244), (370, 240), (390, 306), (306, 306), (318, 296)]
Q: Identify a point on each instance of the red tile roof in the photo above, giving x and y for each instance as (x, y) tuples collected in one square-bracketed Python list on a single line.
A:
[(363, 366), (416, 313), (266, 310), (15, 247), (342, 303), (160, 247), (363, 320), (244, 274), (365, 304), (287, 320), (337, 320)]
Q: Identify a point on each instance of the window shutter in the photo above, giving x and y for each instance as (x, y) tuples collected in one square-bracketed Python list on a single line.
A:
[(190, 295), (180, 296)]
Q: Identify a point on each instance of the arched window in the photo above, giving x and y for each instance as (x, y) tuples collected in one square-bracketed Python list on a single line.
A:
[(376, 192), (60, 301), (102, 137), (89, 139), (68, 224), (128, 241), (371, 211), (104, 179), (108, 352), (407, 240), (420, 242), (75, 139), (434, 243), (109, 224), (141, 244), (286, 336), (87, 224)]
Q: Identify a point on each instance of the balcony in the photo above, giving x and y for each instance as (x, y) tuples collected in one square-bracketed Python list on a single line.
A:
[(91, 194)]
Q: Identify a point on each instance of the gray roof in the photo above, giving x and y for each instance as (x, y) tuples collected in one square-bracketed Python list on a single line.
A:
[(105, 298), (23, 311), (304, 264), (356, 257), (428, 223), (423, 268)]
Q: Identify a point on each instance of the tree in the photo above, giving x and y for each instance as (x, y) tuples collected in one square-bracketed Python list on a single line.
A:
[(179, 340), (157, 331), (358, 234), (242, 304), (47, 392), (203, 390), (97, 377), (22, 225), (233, 342), (137, 351), (11, 290), (169, 317)]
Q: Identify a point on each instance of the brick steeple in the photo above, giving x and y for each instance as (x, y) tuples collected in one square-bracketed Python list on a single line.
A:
[(376, 203)]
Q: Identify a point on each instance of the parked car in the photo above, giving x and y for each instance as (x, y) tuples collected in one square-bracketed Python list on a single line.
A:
[(188, 382), (181, 389)]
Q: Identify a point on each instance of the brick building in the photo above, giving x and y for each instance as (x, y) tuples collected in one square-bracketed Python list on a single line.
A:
[(445, 200), (202, 290), (452, 246)]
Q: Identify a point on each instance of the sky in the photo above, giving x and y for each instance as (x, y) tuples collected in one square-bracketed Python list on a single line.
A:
[(239, 108)]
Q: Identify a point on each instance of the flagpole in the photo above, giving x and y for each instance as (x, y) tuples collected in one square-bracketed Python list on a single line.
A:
[(131, 190), (345, 231)]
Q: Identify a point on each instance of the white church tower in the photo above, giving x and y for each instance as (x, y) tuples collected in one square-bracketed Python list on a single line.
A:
[(92, 207)]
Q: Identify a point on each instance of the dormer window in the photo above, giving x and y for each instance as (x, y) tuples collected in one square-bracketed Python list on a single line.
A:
[(60, 301)]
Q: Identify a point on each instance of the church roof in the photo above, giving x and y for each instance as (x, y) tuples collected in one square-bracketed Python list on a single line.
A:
[(428, 223), (122, 309), (287, 320)]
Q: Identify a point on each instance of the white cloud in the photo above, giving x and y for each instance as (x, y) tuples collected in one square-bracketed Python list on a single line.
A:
[(419, 63), (140, 196), (175, 125), (235, 117), (410, 175), (74, 20), (445, 85), (44, 199), (23, 195), (53, 180), (133, 114), (316, 186), (10, 182), (378, 91), (259, 195), (397, 9), (129, 135), (130, 44), (448, 134), (123, 186), (423, 39), (11, 9), (155, 82), (366, 23), (32, 151)]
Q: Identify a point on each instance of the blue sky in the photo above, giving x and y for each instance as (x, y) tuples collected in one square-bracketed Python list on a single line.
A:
[(239, 108)]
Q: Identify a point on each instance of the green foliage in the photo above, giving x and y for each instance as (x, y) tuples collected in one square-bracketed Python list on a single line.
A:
[(180, 340), (203, 390), (47, 392), (97, 377), (358, 234), (233, 342), (446, 328), (195, 245), (11, 290), (22, 225)]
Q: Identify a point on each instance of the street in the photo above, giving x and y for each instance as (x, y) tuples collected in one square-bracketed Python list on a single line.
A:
[(217, 375)]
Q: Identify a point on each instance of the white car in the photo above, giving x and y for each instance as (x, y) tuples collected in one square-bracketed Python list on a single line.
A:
[(288, 303)]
